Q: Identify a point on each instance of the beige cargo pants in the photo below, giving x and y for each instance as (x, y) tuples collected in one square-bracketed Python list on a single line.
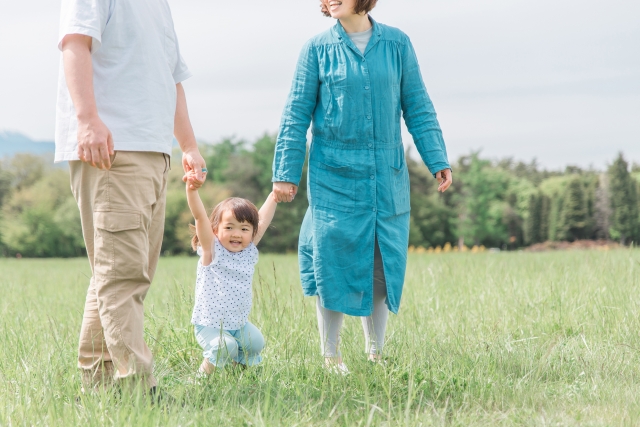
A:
[(122, 212)]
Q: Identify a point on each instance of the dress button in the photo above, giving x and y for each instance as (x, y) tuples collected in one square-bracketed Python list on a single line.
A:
[(372, 176), (368, 117), (370, 145), (366, 87), (374, 209)]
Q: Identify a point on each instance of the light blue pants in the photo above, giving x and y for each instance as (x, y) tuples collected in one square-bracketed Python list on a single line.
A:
[(223, 346)]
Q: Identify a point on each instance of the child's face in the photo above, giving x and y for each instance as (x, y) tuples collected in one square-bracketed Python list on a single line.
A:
[(233, 234)]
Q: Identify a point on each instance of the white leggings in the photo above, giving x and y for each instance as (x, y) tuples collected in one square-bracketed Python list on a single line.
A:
[(374, 326)]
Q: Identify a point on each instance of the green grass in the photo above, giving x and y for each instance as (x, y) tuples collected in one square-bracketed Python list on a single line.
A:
[(489, 339)]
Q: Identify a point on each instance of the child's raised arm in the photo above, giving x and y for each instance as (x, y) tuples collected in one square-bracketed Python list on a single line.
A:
[(266, 213), (203, 225)]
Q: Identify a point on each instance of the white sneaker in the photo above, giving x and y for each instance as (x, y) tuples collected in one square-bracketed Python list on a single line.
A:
[(337, 368)]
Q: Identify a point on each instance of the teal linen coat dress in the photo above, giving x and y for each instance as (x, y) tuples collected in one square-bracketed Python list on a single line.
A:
[(358, 182)]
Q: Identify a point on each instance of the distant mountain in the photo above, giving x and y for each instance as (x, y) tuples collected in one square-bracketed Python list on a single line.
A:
[(13, 142)]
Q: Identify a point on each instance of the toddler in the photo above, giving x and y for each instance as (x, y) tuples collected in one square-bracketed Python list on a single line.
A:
[(226, 242)]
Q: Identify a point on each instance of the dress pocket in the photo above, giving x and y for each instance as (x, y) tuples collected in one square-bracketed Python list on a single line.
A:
[(401, 194), (332, 186)]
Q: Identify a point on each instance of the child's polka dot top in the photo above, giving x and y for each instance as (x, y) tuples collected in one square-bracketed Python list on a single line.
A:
[(223, 288)]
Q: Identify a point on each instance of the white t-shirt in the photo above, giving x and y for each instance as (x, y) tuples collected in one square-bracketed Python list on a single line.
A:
[(136, 66)]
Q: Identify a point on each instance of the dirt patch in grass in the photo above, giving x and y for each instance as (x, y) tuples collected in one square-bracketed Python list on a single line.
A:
[(603, 245)]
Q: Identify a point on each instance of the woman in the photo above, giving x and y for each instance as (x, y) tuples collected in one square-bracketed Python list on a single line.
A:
[(352, 83)]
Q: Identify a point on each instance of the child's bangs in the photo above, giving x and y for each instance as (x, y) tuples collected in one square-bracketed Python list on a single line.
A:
[(245, 211)]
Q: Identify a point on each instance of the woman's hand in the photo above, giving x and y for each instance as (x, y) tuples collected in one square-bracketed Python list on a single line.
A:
[(284, 192), (445, 179)]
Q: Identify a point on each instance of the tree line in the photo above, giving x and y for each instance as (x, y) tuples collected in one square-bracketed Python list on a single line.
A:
[(501, 203)]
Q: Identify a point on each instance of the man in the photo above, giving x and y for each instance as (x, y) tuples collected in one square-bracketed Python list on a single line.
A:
[(120, 102)]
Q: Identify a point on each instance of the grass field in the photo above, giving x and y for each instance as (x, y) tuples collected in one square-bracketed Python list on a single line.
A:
[(488, 339)]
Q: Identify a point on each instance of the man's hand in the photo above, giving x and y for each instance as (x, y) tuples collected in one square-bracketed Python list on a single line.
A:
[(194, 168), (95, 143), (284, 192), (445, 179)]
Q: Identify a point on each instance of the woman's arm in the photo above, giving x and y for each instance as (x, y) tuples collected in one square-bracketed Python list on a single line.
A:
[(267, 211), (420, 117), (203, 225), (291, 145)]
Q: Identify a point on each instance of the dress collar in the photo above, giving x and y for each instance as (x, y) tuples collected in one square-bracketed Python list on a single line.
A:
[(376, 35)]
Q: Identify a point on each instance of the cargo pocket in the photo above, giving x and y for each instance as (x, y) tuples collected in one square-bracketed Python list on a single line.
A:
[(115, 221), (401, 199), (332, 186), (120, 247)]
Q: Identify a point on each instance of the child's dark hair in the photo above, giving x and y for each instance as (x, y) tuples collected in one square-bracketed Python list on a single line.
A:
[(361, 6), (242, 210)]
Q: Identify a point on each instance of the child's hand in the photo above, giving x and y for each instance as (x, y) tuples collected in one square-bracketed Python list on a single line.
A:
[(189, 178), (292, 194), (284, 191)]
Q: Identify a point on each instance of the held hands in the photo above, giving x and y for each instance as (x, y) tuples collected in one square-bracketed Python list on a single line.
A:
[(95, 143), (445, 179), (195, 170), (191, 180), (284, 192)]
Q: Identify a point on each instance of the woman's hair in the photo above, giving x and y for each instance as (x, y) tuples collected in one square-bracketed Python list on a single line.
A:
[(361, 6), (242, 210)]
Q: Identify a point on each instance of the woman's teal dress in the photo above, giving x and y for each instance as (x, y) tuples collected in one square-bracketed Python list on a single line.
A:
[(358, 183)]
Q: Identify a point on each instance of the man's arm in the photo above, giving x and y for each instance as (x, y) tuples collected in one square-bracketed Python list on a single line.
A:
[(191, 158), (95, 143)]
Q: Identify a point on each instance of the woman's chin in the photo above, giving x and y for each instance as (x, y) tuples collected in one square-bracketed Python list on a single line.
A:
[(337, 14)]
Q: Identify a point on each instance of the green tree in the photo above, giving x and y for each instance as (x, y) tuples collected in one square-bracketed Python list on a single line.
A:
[(533, 223), (602, 208), (624, 201), (536, 226), (42, 220), (574, 216), (481, 202), (431, 213), (545, 213)]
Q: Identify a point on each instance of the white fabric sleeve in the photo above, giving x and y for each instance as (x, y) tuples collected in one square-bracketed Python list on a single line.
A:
[(181, 72), (86, 17)]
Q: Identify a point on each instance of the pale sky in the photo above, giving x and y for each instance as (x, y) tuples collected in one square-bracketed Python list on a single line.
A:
[(558, 80)]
